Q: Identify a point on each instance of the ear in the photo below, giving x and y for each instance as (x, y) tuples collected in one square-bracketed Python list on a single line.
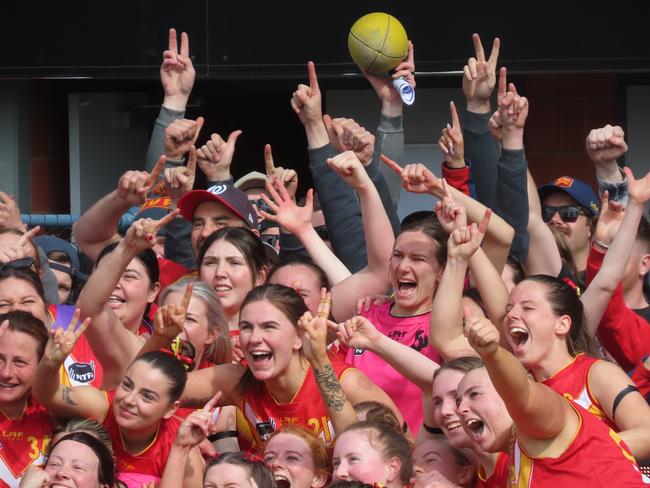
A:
[(466, 475), (172, 409), (297, 343), (255, 231), (211, 338), (563, 326), (319, 480), (392, 469), (644, 265), (261, 276), (153, 292)]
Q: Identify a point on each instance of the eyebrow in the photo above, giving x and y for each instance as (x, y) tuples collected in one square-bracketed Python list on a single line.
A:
[(151, 392), (132, 270)]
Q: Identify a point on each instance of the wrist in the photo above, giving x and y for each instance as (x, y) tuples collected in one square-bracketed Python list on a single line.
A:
[(319, 360), (182, 449), (176, 102), (513, 138), (456, 162), (478, 106), (316, 134), (220, 175), (608, 171), (392, 108)]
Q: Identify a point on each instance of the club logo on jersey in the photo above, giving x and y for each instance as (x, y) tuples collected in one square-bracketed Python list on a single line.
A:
[(265, 429), (82, 372)]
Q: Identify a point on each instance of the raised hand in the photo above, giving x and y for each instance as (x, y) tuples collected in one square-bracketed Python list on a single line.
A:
[(288, 177), (638, 190), (198, 425), (180, 135), (142, 233), (464, 242), (451, 141), (609, 220), (416, 178), (348, 166), (177, 72), (346, 135), (606, 144), (180, 180), (22, 249), (383, 86), (496, 127), (364, 303), (34, 477), (170, 319), (451, 214), (286, 213), (10, 213), (356, 332), (513, 112), (215, 156), (481, 334), (479, 76), (306, 100), (314, 329), (134, 185), (61, 342)]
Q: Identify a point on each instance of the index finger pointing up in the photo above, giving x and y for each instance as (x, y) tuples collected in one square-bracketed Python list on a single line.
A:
[(187, 296), (173, 43), (494, 55), (212, 402), (185, 45), (313, 79), (502, 82), (478, 47), (268, 160), (157, 169), (455, 121)]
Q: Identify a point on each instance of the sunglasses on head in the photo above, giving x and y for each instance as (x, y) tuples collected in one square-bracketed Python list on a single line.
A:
[(568, 213), (19, 263)]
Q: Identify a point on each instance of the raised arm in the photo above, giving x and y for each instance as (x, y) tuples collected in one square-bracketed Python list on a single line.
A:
[(359, 332), (379, 237), (538, 411), (111, 341), (605, 146), (61, 401), (297, 220)]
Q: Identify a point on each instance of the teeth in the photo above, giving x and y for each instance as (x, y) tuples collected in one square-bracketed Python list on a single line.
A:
[(453, 425), (222, 288), (520, 330), (7, 385), (115, 298)]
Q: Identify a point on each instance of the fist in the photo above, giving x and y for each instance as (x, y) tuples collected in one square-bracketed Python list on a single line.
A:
[(481, 334), (606, 145)]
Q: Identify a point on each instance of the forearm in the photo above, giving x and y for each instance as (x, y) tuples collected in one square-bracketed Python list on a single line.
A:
[(155, 343), (415, 367), (46, 384), (323, 256), (390, 142), (98, 225), (481, 150), (316, 134), (341, 210), (490, 286), (377, 230), (340, 410), (380, 183), (614, 184), (174, 472), (445, 326), (156, 146)]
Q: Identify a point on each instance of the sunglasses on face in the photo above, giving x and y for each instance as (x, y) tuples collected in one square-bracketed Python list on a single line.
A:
[(568, 213), (261, 205), (270, 239)]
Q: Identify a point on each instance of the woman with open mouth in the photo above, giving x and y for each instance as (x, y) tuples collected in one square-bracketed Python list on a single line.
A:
[(280, 382), (138, 414), (551, 440)]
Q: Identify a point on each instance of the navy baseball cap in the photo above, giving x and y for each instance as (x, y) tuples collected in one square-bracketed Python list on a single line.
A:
[(580, 191), (229, 196), (52, 243)]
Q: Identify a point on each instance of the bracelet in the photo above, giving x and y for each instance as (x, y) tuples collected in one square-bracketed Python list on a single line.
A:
[(222, 435), (602, 245), (432, 430)]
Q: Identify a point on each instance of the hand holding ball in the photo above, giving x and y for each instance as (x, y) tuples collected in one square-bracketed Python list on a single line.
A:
[(377, 43)]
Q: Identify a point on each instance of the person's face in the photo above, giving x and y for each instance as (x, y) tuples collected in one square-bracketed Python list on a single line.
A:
[(268, 339), (73, 465), (444, 391), (433, 455), (196, 330), (271, 235), (17, 294), (356, 458), (576, 233), (210, 217), (531, 327), (482, 412), (414, 272), (142, 398), (226, 270), (132, 294), (18, 362), (227, 475), (302, 279), (291, 460), (65, 284)]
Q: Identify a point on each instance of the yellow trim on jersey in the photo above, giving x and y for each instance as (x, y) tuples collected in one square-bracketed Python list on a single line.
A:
[(146, 448)]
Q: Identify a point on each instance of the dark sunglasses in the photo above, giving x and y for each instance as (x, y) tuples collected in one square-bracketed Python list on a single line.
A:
[(270, 239), (261, 205), (19, 263), (568, 213)]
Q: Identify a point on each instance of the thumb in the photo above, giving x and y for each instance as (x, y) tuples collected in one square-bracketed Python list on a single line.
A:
[(232, 138), (199, 125)]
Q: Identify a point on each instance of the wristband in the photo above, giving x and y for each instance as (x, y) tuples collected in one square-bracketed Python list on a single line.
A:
[(222, 435), (602, 245)]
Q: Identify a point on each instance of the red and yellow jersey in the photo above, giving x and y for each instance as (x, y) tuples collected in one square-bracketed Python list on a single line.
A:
[(81, 367), (147, 465), (498, 478), (262, 415), (24, 442), (596, 457), (572, 382)]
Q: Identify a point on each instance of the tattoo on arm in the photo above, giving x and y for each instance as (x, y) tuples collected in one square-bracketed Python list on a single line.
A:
[(65, 396), (330, 388)]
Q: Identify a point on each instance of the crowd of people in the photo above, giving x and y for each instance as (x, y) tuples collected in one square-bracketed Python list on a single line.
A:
[(233, 336)]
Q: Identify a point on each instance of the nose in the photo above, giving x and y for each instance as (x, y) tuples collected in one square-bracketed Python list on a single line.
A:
[(208, 229), (6, 370), (417, 470), (448, 408), (341, 472), (556, 219), (62, 473), (461, 407)]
